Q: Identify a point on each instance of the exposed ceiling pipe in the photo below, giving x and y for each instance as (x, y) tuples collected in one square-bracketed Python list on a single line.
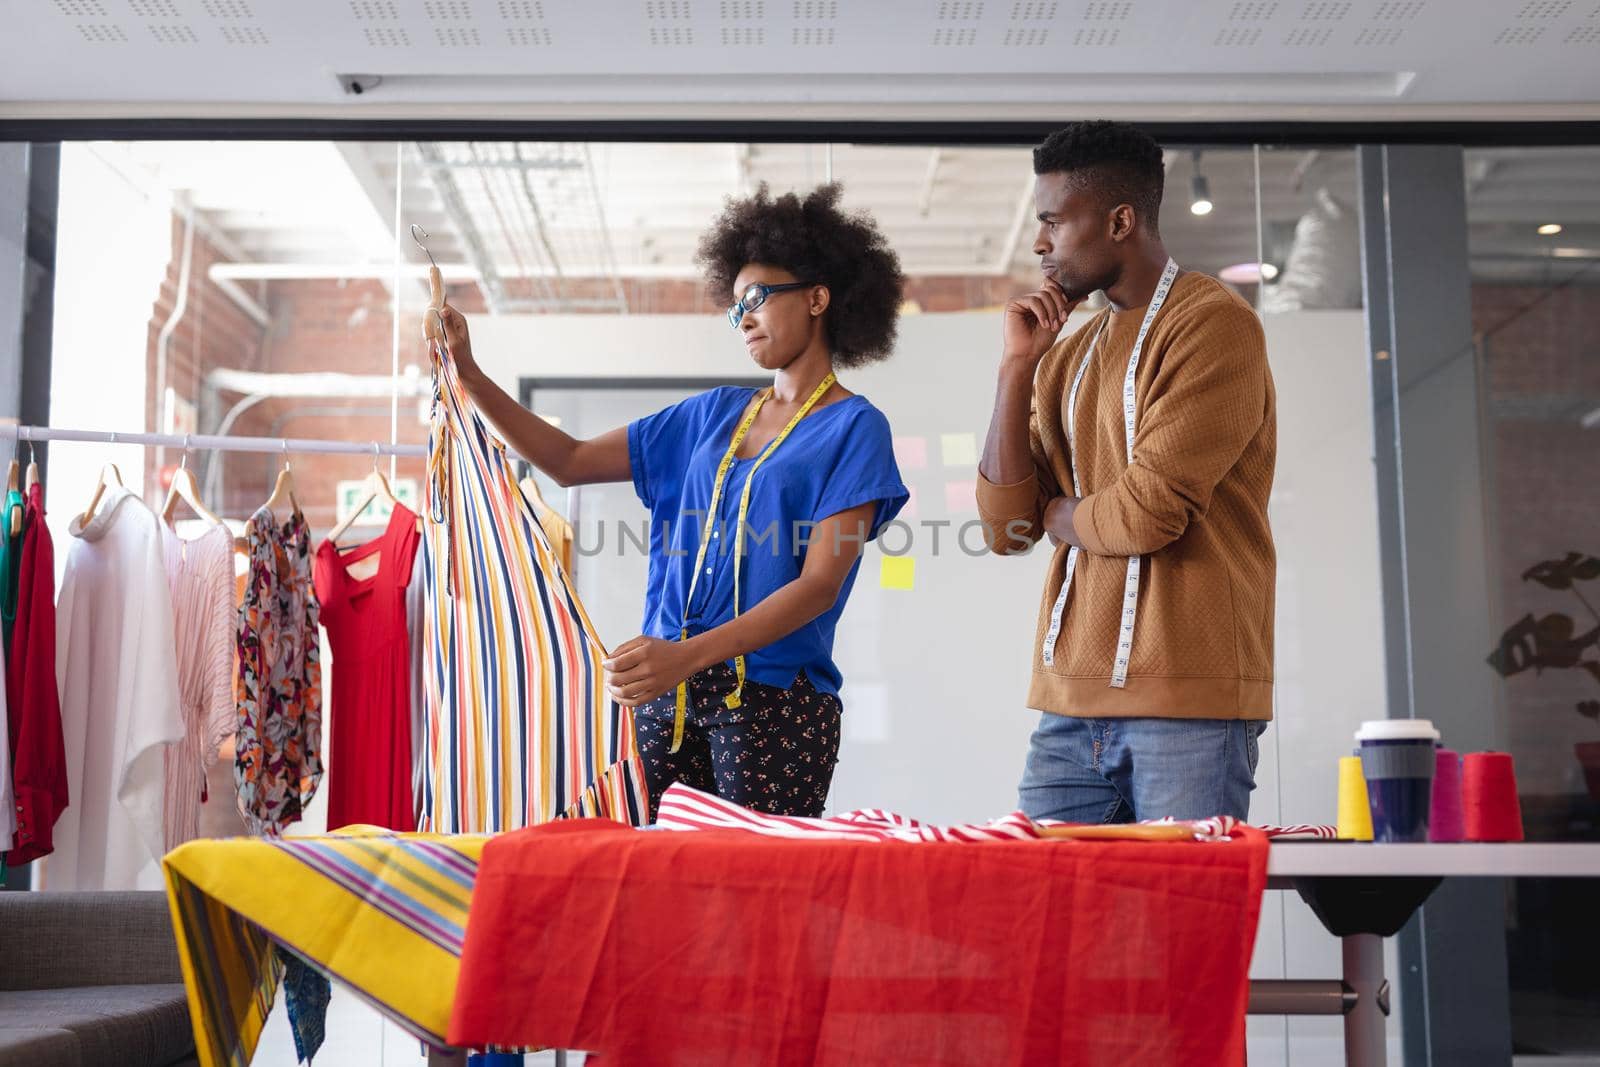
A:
[(540, 229), (227, 276), (168, 328), (453, 272), (1019, 228), (462, 273), (241, 299), (438, 171), (742, 167), (260, 385), (321, 384), (1297, 177), (929, 180), (609, 252)]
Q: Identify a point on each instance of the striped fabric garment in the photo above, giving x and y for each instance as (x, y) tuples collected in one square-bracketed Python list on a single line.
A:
[(685, 808), (518, 726), (385, 914)]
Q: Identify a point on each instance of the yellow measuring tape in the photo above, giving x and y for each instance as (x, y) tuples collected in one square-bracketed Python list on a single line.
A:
[(735, 698)]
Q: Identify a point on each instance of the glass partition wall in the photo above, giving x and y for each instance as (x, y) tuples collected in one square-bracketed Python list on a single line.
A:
[(275, 290)]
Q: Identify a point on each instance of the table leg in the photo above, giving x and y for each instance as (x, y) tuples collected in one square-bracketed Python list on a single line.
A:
[(1364, 1024)]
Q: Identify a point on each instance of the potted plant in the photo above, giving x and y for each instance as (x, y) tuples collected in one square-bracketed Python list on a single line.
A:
[(1554, 642)]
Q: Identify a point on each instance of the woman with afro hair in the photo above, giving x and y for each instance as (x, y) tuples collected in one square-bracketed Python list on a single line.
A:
[(761, 502)]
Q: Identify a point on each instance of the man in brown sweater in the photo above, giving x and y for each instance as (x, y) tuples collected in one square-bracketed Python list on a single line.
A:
[(1143, 445)]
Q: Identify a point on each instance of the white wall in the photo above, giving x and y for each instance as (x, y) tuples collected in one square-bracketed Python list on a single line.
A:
[(935, 676)]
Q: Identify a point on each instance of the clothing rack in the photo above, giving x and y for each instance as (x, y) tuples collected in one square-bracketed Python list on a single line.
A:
[(212, 443)]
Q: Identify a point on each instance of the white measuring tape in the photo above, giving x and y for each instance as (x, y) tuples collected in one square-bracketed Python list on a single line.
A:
[(1130, 587)]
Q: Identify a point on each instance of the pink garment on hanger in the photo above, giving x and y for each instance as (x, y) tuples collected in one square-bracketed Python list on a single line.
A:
[(200, 575)]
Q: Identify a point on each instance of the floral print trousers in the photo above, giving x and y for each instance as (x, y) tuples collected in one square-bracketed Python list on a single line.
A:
[(774, 754)]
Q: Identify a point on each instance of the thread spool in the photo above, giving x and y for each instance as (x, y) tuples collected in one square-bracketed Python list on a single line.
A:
[(1489, 806), (1355, 816), (1445, 821)]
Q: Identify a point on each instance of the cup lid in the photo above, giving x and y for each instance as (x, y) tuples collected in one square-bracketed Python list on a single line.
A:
[(1397, 730)]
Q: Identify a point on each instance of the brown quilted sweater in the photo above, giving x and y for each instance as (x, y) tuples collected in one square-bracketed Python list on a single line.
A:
[(1193, 504)]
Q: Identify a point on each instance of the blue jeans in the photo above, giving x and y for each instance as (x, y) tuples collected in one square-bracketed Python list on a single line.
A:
[(1130, 770)]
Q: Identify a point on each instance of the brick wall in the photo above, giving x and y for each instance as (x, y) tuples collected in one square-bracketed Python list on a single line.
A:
[(321, 326)]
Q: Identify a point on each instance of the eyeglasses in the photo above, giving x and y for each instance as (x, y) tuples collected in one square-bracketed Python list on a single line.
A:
[(757, 295)]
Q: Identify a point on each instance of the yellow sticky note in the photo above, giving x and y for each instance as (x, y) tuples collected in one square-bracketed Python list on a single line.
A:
[(959, 449), (897, 572)]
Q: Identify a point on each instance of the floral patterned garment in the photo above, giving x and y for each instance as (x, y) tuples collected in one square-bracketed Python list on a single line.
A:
[(278, 760)]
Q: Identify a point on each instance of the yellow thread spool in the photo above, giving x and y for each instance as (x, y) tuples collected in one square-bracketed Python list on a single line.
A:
[(1355, 815)]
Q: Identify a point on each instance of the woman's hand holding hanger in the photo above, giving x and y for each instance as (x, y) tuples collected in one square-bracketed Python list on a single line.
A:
[(457, 339), (566, 459)]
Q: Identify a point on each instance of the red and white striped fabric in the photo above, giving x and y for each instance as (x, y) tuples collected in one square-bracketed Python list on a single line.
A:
[(1220, 827), (685, 808), (1302, 831)]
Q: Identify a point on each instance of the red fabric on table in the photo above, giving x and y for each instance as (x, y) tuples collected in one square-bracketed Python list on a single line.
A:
[(721, 947)]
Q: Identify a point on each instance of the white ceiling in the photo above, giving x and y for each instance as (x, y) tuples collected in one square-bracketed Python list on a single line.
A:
[(1013, 59), (534, 224)]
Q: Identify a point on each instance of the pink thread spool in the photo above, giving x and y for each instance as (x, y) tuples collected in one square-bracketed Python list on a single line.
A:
[(1445, 821)]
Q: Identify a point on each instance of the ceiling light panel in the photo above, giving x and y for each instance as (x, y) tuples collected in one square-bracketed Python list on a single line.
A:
[(819, 53)]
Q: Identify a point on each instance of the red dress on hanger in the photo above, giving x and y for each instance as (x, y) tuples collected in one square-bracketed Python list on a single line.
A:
[(369, 765)]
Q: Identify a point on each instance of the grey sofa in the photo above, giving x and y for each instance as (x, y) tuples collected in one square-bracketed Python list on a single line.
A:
[(90, 979)]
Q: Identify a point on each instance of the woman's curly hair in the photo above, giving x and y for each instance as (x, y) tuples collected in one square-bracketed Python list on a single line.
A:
[(816, 242)]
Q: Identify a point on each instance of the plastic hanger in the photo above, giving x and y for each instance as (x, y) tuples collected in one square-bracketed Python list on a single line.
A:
[(377, 488), (186, 490), (283, 488)]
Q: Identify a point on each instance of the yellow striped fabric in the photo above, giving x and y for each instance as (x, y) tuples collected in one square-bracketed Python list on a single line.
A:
[(382, 913)]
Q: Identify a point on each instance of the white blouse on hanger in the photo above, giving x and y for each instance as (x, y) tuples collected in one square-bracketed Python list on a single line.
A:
[(118, 675)]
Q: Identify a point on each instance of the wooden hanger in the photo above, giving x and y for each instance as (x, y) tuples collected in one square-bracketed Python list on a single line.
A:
[(13, 476), (283, 488), (433, 318), (32, 478), (377, 488), (109, 474), (186, 490)]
